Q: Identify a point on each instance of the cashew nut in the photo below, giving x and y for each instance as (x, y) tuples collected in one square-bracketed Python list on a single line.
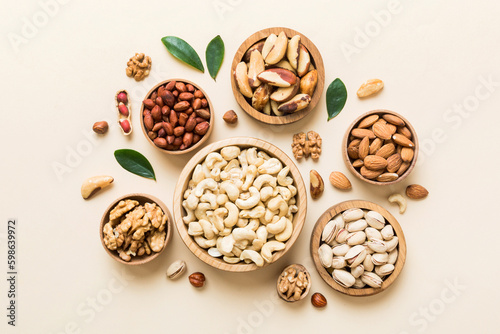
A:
[(283, 178), (190, 214), (263, 155), (285, 193), (230, 189), (206, 170), (198, 174), (253, 224), (210, 198), (231, 259), (252, 256), (222, 199), (205, 243), (264, 179), (215, 160), (206, 184), (261, 238), (226, 245), (250, 174), (92, 185), (243, 234), (192, 202), (252, 157), (215, 174), (242, 222), (251, 202), (230, 152), (209, 230), (201, 211), (266, 193), (278, 203), (243, 158), (400, 200), (241, 244), (278, 227), (232, 164), (232, 216), (270, 247), (216, 218), (195, 229), (271, 166), (256, 212), (287, 233)]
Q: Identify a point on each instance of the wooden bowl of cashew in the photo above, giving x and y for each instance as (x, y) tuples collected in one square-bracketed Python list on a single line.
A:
[(217, 219)]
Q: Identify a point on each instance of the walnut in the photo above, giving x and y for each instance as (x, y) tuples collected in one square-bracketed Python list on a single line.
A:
[(109, 237), (122, 208), (138, 66), (305, 146)]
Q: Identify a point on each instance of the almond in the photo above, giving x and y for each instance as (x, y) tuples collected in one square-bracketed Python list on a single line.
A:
[(361, 133), (354, 142), (407, 154), (394, 120), (375, 145), (241, 78), (387, 177), (304, 61), (382, 131), (403, 168), (370, 87), (357, 163), (293, 50), (278, 77), (416, 191), (393, 163), (386, 151), (368, 121), (317, 186), (404, 131), (370, 174), (340, 181), (402, 140), (392, 128), (374, 162), (278, 50), (255, 67), (353, 152), (364, 148)]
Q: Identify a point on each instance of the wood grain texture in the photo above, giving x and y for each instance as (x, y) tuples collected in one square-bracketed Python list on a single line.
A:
[(316, 242), (202, 140), (142, 199), (316, 58), (242, 142), (348, 161)]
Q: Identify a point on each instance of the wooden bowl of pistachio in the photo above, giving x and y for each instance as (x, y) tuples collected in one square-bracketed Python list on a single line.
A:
[(277, 76), (135, 228), (358, 248)]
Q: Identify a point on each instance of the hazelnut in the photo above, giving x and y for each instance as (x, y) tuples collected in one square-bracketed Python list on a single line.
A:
[(318, 300), (100, 127), (197, 279), (230, 117)]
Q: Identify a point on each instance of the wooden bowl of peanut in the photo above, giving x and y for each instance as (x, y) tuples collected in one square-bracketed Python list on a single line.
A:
[(135, 228), (277, 76), (380, 147)]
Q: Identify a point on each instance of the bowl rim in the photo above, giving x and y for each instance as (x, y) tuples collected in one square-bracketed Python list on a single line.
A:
[(185, 176), (347, 159), (138, 197), (316, 242), (202, 140), (318, 63)]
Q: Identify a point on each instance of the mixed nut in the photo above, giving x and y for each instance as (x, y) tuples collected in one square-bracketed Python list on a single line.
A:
[(240, 204), (380, 147), (176, 115), (135, 230), (294, 283), (124, 112), (277, 75), (358, 248)]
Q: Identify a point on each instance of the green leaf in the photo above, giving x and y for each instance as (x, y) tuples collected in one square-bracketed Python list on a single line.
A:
[(336, 96), (135, 163), (214, 55), (181, 50)]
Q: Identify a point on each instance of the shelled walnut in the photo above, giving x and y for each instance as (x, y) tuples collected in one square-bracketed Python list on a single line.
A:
[(294, 283), (305, 146), (138, 66)]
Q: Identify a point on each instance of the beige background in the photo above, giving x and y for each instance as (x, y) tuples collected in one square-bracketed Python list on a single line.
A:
[(434, 58)]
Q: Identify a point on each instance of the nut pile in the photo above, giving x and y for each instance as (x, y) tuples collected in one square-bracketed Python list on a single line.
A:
[(138, 66), (293, 283), (240, 205), (277, 75), (305, 146), (380, 147), (124, 114), (176, 116), (358, 248), (135, 230)]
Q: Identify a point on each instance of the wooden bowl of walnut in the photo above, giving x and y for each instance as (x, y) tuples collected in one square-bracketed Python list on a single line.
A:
[(270, 116), (316, 242), (380, 147), (225, 230), (152, 241)]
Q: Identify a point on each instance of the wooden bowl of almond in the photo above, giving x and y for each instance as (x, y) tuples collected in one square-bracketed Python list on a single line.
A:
[(277, 76), (380, 147)]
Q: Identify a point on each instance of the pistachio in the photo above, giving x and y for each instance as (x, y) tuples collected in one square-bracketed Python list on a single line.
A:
[(176, 269), (343, 278), (371, 279)]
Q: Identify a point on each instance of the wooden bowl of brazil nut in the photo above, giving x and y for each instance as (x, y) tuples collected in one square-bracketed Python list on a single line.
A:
[(225, 230), (301, 67), (180, 120), (377, 269), (160, 232), (380, 147)]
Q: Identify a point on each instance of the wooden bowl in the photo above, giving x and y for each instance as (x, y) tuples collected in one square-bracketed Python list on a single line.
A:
[(141, 198), (316, 58), (348, 160), (202, 140), (242, 142), (316, 242), (297, 267)]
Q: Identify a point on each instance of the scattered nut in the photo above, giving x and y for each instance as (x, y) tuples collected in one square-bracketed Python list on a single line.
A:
[(416, 191), (124, 111), (318, 300), (176, 269), (317, 185), (138, 66), (230, 117), (370, 87), (92, 185), (306, 146), (340, 181), (100, 127), (400, 200), (294, 283), (197, 279)]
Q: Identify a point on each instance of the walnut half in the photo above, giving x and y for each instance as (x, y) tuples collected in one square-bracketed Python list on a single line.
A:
[(138, 66), (305, 146)]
